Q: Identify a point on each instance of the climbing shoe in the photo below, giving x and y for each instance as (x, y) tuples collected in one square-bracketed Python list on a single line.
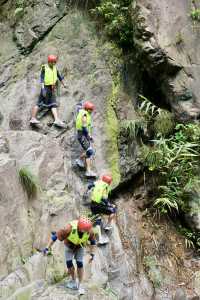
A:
[(34, 121), (59, 123), (103, 241), (108, 227), (90, 174), (80, 163), (72, 285), (81, 289)]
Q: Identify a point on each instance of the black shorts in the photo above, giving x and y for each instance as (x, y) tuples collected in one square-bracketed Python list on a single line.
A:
[(50, 100), (102, 209), (85, 143)]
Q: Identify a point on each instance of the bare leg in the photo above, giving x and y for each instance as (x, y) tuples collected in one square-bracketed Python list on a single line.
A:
[(82, 158), (88, 164), (71, 272), (34, 111), (80, 274), (111, 218), (54, 113)]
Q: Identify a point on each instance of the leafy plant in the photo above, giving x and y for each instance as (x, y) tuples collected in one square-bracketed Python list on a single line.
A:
[(147, 107), (195, 14), (28, 181), (192, 238), (151, 265), (116, 19), (176, 158), (133, 128), (150, 156), (163, 122), (19, 3)]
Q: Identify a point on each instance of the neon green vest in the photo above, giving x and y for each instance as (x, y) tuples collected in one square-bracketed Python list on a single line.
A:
[(100, 190), (50, 75), (74, 237), (79, 122)]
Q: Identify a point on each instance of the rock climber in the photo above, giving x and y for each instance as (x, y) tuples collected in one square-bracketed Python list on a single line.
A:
[(83, 127), (75, 236), (47, 98), (99, 199)]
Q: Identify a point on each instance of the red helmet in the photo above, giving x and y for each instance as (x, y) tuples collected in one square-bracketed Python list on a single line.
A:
[(52, 59), (88, 106), (84, 224), (107, 179)]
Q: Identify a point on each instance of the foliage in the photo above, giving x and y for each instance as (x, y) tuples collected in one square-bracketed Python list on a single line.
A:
[(133, 128), (19, 3), (150, 157), (153, 271), (177, 161), (163, 122), (116, 18), (112, 131), (192, 238), (18, 11), (174, 154), (147, 107), (195, 14), (28, 181)]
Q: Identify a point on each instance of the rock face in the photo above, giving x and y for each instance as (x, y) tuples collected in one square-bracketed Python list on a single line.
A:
[(119, 270), (167, 45), (50, 159), (166, 39)]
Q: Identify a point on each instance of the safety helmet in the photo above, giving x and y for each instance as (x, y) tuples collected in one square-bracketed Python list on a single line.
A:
[(107, 179), (52, 59), (84, 224), (88, 105)]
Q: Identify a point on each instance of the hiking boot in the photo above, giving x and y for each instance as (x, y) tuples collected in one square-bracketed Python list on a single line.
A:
[(59, 123), (108, 227), (34, 121), (90, 174), (81, 289), (72, 285), (103, 241), (80, 163)]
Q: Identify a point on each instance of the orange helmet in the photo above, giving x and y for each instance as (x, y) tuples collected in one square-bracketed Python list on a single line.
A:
[(88, 106), (107, 179), (52, 59), (84, 224)]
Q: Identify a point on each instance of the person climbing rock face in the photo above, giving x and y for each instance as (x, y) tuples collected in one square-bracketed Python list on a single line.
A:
[(75, 237), (99, 199), (47, 98), (83, 127)]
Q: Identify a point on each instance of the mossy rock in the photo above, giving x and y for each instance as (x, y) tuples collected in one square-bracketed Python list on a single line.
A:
[(112, 131)]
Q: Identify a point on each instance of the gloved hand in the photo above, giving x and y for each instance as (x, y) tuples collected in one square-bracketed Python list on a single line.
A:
[(45, 251), (44, 92), (91, 257)]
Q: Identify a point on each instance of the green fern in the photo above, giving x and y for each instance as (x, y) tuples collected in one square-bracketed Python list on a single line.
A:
[(29, 182), (166, 203), (146, 107), (164, 122), (133, 128)]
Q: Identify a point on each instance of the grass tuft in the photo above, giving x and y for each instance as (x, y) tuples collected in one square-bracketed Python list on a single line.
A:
[(29, 182)]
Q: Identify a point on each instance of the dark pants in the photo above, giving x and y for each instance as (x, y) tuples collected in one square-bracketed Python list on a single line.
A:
[(102, 209), (50, 100)]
